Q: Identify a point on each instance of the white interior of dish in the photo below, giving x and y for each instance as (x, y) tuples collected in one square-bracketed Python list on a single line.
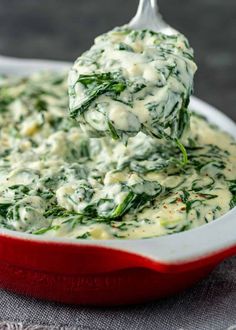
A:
[(182, 247)]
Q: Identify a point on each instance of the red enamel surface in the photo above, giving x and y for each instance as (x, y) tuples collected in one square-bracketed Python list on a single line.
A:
[(93, 275)]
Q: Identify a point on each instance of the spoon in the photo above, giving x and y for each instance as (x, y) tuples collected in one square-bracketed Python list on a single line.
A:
[(149, 17)]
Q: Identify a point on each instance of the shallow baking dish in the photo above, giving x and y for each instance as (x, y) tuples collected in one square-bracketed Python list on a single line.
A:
[(110, 272)]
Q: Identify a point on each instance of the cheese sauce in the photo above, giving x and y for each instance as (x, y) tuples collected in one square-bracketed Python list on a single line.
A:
[(56, 181)]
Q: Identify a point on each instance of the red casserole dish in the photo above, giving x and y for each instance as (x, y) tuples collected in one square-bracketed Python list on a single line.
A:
[(111, 272)]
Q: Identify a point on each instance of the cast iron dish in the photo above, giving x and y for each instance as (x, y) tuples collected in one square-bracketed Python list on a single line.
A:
[(111, 272)]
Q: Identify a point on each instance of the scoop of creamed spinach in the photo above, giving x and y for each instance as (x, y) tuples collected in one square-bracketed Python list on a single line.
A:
[(133, 81), (56, 181)]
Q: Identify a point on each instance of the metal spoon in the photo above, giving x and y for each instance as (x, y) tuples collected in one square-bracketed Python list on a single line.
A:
[(148, 17)]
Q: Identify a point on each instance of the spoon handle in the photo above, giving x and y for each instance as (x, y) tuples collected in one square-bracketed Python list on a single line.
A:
[(148, 16), (149, 6)]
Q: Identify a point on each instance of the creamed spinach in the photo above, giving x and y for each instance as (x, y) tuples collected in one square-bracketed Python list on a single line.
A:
[(56, 181), (133, 81)]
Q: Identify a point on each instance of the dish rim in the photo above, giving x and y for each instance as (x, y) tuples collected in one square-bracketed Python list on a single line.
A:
[(194, 244)]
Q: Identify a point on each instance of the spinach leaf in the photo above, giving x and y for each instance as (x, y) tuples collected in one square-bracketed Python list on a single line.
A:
[(112, 130), (123, 207), (45, 230), (232, 189), (84, 236), (138, 196), (96, 85), (4, 209), (189, 203), (124, 46)]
